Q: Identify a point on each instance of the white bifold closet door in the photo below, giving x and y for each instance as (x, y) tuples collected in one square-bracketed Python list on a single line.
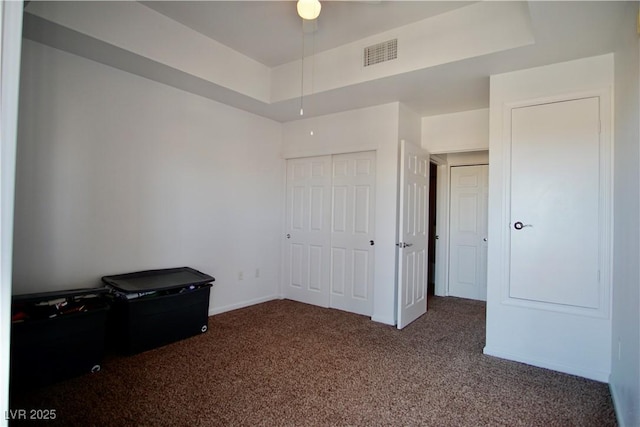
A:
[(352, 241), (308, 230), (329, 231)]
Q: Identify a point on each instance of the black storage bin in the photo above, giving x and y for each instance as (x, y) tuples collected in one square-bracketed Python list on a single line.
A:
[(50, 343), (152, 308)]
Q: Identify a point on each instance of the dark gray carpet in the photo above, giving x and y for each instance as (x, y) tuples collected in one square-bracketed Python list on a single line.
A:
[(284, 363)]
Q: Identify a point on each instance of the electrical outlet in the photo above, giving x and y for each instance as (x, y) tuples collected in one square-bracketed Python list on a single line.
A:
[(257, 273), (240, 275)]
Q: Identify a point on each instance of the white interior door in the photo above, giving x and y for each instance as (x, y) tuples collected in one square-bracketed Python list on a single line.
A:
[(412, 264), (10, 50), (308, 230), (555, 225), (468, 232), (352, 232)]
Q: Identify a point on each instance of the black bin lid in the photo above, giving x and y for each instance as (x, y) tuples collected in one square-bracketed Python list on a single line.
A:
[(157, 280), (67, 293)]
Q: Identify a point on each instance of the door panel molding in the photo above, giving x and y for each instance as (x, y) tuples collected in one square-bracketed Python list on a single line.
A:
[(605, 205)]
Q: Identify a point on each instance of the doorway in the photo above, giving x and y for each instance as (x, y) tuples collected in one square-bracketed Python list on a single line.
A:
[(440, 237), (433, 192)]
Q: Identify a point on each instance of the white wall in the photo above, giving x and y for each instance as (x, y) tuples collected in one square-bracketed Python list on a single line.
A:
[(136, 28), (549, 336), (468, 158), (374, 128), (117, 173), (455, 132), (625, 361), (409, 126)]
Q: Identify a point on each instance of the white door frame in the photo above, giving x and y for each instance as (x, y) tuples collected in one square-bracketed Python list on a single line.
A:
[(441, 276), (10, 52), (442, 216)]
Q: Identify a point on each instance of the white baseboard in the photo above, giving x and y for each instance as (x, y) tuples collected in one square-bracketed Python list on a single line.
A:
[(622, 416), (385, 320), (540, 363), (243, 304), (616, 398)]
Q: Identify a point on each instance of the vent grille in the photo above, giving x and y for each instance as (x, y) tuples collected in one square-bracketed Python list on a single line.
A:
[(381, 52)]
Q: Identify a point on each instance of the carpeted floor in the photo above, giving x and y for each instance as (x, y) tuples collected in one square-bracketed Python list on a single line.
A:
[(284, 363)]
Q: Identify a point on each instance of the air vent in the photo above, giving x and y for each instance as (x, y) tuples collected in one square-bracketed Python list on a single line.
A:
[(381, 52)]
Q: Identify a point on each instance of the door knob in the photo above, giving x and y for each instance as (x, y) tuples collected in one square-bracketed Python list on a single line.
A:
[(485, 239), (371, 242), (404, 245), (519, 226), (288, 236)]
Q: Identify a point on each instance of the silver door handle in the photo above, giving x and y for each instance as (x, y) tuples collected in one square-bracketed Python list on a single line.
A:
[(485, 239)]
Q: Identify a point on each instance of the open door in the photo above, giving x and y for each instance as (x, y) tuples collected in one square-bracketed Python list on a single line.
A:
[(414, 204)]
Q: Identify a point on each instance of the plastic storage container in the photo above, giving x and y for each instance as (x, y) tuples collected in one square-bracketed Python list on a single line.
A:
[(56, 335), (153, 308)]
